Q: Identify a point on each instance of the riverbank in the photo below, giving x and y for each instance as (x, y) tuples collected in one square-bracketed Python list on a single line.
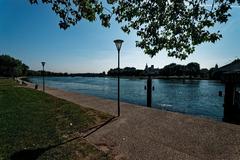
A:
[(144, 133), (140, 77)]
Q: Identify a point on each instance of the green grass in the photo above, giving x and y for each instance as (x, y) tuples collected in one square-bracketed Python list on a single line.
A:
[(34, 124)]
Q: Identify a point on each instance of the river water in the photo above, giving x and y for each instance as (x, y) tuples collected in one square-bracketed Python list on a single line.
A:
[(194, 97)]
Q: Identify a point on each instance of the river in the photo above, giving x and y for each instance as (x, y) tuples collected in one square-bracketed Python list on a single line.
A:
[(194, 97)]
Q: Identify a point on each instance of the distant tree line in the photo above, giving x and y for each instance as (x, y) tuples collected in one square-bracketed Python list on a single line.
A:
[(173, 69), (191, 70), (127, 71), (60, 74), (46, 73), (11, 67)]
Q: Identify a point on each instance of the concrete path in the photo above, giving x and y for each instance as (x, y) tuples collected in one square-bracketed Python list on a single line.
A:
[(150, 134)]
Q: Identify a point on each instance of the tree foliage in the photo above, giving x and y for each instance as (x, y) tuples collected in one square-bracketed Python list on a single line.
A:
[(11, 67), (176, 26), (173, 69), (193, 68), (72, 11)]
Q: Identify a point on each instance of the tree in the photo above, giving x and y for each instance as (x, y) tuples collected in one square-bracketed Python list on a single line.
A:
[(204, 73), (193, 69), (11, 67), (176, 26)]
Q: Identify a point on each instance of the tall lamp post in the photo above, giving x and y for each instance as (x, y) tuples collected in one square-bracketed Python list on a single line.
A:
[(43, 64), (118, 43)]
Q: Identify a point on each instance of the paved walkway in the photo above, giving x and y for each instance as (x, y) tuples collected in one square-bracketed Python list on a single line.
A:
[(150, 134)]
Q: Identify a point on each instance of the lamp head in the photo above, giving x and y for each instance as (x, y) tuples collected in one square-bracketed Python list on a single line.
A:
[(43, 63), (118, 43)]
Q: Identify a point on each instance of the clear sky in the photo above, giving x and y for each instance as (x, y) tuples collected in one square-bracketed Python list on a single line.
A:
[(31, 34)]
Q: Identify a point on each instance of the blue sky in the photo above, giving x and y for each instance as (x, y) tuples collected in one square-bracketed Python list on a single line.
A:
[(31, 33)]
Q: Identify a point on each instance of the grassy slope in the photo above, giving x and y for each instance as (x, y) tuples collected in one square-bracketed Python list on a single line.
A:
[(34, 123)]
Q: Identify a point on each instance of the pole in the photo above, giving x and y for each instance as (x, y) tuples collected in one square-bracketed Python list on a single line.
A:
[(118, 82), (43, 80), (229, 109), (149, 91)]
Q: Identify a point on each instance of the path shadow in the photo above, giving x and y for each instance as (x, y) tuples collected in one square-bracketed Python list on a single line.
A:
[(31, 154)]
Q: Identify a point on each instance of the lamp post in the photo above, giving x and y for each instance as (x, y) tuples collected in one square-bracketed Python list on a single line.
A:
[(118, 43), (43, 64)]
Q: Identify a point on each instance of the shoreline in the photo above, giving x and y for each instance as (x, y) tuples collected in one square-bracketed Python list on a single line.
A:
[(141, 77)]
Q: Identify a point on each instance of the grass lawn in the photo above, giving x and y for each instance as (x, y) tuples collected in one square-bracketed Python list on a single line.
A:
[(34, 125)]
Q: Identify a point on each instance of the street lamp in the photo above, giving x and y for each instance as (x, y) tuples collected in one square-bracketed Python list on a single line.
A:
[(43, 64), (118, 43)]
